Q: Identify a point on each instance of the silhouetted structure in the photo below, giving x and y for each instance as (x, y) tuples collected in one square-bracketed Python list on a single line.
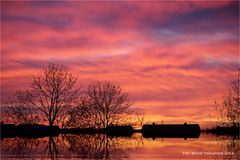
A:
[(171, 130)]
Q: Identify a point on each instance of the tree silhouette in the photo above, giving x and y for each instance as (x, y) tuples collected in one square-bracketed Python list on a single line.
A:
[(231, 104), (108, 104), (81, 115), (52, 93), (140, 118), (229, 110)]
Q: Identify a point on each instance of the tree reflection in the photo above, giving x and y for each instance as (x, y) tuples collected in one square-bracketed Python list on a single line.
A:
[(31, 148), (51, 149), (20, 147), (83, 146), (230, 147), (100, 146), (233, 146)]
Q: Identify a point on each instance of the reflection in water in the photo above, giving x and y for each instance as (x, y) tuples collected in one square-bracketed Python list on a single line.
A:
[(51, 148), (230, 147), (81, 146), (26, 147), (100, 146)]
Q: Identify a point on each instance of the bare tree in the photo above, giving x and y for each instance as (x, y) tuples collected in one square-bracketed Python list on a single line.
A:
[(229, 110), (81, 115), (52, 93), (231, 103), (221, 112), (140, 118), (109, 105)]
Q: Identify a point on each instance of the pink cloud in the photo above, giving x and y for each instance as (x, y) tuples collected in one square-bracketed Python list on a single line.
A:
[(160, 61)]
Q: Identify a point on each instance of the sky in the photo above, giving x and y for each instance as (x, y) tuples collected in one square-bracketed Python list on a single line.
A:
[(174, 58)]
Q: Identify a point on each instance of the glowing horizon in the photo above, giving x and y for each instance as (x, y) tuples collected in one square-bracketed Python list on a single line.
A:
[(173, 58)]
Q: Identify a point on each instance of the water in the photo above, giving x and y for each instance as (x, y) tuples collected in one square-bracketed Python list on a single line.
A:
[(135, 147)]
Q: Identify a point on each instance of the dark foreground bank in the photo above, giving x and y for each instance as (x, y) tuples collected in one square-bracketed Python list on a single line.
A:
[(148, 131), (38, 130), (28, 130)]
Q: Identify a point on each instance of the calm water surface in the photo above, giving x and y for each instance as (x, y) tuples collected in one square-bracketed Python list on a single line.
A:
[(135, 147)]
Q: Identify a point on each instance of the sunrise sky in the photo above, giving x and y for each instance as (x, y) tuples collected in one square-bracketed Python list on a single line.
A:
[(173, 58)]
